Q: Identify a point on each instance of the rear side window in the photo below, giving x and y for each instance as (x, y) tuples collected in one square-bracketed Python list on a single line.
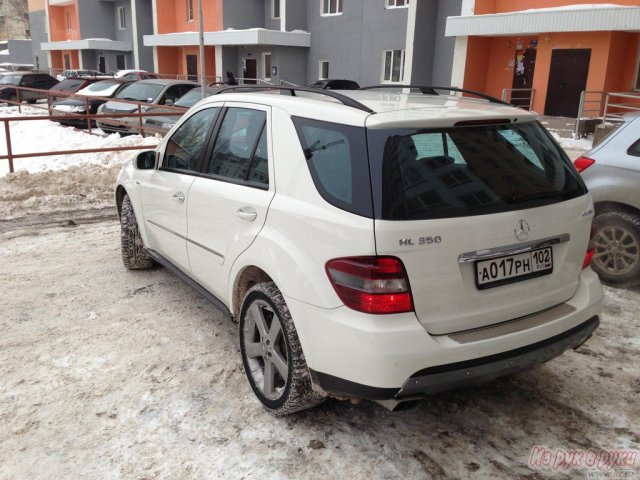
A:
[(337, 159), (463, 171)]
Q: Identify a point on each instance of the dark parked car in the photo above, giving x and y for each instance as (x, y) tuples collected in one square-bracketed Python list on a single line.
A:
[(335, 84), (163, 124), (153, 92), (103, 88), (70, 86), (9, 81)]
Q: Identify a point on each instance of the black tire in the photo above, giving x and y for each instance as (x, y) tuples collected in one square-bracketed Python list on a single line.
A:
[(134, 255), (617, 242), (290, 394)]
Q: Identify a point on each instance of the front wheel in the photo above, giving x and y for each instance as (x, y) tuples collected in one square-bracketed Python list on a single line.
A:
[(617, 243), (134, 255), (271, 353)]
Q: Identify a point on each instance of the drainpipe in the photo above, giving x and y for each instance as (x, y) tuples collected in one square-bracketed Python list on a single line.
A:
[(203, 80), (134, 32)]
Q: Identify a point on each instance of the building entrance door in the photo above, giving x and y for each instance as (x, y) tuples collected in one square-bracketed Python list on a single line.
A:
[(102, 66), (250, 70), (192, 68), (523, 70), (567, 80)]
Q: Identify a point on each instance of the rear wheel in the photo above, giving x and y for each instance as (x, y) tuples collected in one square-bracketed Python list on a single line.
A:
[(617, 243), (271, 353), (134, 255)]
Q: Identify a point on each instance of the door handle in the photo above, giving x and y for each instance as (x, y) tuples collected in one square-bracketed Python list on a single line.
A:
[(178, 197), (247, 213)]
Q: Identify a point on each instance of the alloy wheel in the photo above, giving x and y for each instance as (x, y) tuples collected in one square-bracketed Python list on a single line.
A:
[(617, 250)]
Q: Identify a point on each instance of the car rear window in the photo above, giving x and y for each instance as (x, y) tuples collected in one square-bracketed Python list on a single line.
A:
[(337, 159), (68, 85), (463, 171)]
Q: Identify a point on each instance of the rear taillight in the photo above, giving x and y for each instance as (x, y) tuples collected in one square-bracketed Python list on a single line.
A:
[(371, 284), (583, 163), (591, 249)]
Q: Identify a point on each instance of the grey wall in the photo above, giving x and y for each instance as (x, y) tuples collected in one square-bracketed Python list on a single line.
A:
[(353, 42), (444, 46), (98, 19), (145, 27), (296, 15), (20, 51), (39, 29), (268, 22), (244, 14), (289, 61), (230, 62), (424, 39)]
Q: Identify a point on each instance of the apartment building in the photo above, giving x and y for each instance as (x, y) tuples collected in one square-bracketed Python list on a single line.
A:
[(300, 41), (104, 35), (554, 48), (14, 20)]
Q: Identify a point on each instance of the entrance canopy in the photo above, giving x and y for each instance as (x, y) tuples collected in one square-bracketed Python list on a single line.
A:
[(571, 18), (88, 44), (252, 36)]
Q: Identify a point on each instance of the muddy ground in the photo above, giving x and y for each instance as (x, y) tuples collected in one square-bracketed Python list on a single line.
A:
[(107, 373)]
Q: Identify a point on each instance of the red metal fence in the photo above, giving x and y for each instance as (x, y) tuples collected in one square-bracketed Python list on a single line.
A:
[(114, 118)]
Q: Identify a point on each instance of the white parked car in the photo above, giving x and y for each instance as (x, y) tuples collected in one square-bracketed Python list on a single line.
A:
[(370, 243)]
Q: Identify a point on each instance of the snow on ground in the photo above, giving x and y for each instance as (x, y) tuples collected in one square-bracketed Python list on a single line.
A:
[(110, 374), (54, 183), (583, 144), (114, 374)]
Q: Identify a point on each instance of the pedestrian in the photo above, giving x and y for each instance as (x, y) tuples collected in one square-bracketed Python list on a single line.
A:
[(231, 79)]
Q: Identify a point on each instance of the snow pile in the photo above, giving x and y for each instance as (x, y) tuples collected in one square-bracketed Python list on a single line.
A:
[(62, 182), (571, 143)]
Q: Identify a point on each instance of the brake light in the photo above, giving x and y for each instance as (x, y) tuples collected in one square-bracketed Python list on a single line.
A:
[(371, 284), (583, 163), (591, 249)]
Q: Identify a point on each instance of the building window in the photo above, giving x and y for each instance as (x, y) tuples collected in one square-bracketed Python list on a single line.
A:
[(397, 3), (275, 9), (120, 62), (68, 20), (324, 69), (189, 10), (122, 18), (392, 66), (331, 7), (266, 63)]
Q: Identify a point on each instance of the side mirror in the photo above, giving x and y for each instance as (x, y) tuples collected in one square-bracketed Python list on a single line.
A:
[(146, 160)]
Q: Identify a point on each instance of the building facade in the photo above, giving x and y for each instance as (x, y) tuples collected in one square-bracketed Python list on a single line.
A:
[(554, 48), (300, 41), (14, 20), (104, 35)]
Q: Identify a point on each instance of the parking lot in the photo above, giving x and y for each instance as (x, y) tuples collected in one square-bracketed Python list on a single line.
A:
[(108, 373)]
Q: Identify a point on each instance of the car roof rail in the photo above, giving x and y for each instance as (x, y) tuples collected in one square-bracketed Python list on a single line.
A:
[(432, 90), (343, 99)]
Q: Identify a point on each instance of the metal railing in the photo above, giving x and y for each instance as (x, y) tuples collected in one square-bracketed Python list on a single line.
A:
[(518, 97), (617, 104), (589, 111), (114, 118)]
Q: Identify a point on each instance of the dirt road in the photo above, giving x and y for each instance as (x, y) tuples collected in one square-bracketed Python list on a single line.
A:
[(106, 373)]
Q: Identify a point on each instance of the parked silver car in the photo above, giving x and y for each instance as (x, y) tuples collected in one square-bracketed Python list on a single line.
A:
[(611, 171)]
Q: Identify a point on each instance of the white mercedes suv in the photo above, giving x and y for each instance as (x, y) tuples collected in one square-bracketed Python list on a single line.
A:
[(380, 243)]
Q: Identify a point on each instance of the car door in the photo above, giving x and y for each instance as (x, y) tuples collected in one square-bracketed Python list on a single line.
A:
[(165, 190), (28, 81), (228, 203)]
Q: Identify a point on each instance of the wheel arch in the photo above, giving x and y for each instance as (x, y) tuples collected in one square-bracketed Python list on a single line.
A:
[(606, 207), (246, 278), (120, 194)]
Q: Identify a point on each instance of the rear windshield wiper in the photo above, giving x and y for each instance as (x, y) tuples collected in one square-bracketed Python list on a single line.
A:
[(309, 152)]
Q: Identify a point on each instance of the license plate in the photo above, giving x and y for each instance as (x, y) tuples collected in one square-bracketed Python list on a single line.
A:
[(514, 268)]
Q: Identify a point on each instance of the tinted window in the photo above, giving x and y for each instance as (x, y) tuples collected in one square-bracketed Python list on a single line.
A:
[(140, 92), (421, 174), (634, 149), (186, 144), (237, 144), (337, 158), (67, 85)]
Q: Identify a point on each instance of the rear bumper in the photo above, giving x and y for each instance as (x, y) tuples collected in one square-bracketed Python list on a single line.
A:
[(441, 378), (391, 356)]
